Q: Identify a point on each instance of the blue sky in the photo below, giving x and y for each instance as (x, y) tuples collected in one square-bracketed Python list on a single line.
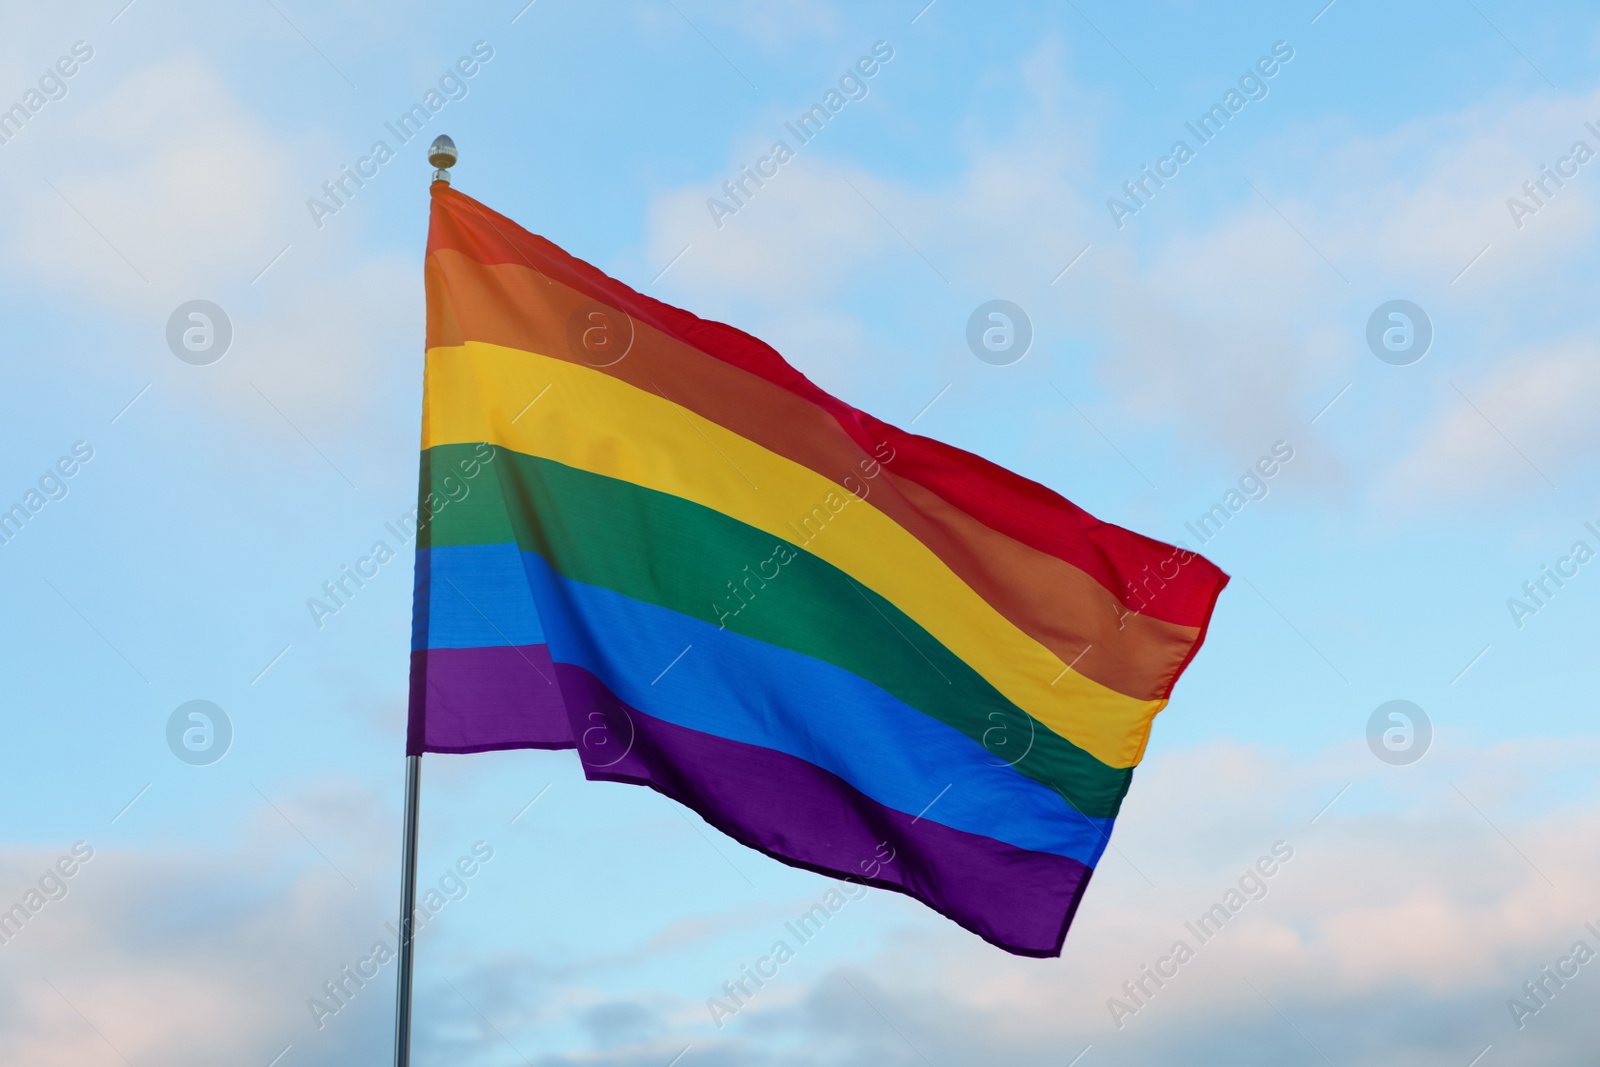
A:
[(1227, 314)]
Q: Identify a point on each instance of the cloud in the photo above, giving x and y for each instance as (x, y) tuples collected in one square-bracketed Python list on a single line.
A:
[(1228, 320), (1422, 905), (864, 279), (1394, 934), (1210, 330), (1492, 438), (1236, 323), (1418, 201), (1402, 893), (182, 190), (776, 25), (190, 958), (178, 192)]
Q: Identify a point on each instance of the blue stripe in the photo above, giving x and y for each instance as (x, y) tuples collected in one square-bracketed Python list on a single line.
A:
[(696, 675), (477, 596)]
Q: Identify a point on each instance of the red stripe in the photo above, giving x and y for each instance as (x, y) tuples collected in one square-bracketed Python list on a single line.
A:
[(1135, 569)]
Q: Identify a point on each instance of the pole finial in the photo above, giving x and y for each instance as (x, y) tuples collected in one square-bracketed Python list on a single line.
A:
[(442, 154)]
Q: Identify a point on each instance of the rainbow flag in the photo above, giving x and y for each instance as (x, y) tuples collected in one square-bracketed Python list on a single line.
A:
[(646, 537)]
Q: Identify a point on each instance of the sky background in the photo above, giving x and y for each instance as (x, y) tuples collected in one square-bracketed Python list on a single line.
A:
[(1227, 315)]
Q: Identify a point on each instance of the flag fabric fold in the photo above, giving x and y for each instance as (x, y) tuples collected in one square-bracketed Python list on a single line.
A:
[(646, 537)]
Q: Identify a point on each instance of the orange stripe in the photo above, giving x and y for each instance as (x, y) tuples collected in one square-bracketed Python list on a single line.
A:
[(1116, 558), (1052, 601)]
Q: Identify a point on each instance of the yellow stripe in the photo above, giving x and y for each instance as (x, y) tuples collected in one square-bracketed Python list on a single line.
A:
[(597, 423)]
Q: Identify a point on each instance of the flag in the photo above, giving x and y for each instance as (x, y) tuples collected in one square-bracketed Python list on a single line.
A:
[(645, 536)]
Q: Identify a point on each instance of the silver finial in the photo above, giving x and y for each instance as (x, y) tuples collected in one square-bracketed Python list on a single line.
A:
[(442, 154)]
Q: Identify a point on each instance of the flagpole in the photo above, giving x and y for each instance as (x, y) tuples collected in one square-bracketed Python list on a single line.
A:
[(408, 912), (442, 154)]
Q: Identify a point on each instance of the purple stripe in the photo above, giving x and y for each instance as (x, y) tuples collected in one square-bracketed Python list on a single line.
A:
[(477, 699), (795, 812)]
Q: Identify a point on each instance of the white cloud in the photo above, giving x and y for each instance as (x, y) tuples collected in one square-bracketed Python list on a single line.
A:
[(190, 958), (1401, 895), (1419, 201), (179, 180), (1236, 328), (170, 170), (777, 24), (1493, 437)]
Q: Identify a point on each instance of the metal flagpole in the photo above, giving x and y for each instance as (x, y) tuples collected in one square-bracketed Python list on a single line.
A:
[(442, 154), (408, 912)]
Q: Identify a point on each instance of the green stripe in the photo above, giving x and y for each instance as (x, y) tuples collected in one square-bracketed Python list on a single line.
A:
[(462, 494), (680, 555)]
